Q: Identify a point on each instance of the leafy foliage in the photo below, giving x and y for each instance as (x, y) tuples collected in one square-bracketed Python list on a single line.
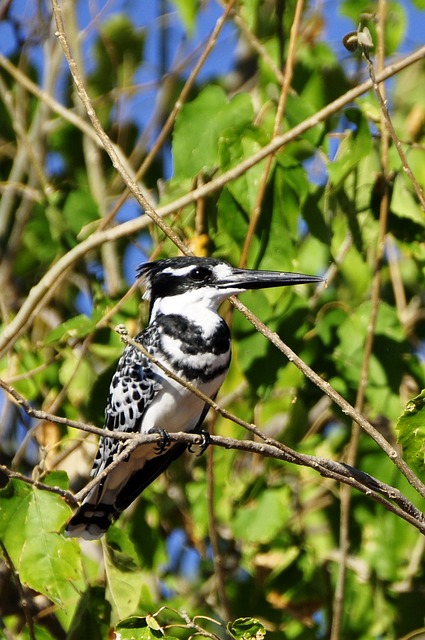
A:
[(243, 544), (410, 430)]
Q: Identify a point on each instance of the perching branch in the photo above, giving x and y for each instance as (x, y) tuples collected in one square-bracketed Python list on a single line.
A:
[(389, 497)]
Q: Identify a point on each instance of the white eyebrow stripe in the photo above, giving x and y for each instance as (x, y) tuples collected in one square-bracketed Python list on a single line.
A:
[(181, 271)]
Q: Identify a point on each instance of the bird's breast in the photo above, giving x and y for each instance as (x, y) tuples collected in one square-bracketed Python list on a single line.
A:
[(199, 353), (176, 408)]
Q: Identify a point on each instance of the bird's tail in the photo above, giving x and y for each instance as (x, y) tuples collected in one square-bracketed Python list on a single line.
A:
[(100, 507), (115, 493), (91, 520)]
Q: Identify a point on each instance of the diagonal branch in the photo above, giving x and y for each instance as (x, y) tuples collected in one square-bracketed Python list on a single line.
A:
[(344, 405), (389, 497)]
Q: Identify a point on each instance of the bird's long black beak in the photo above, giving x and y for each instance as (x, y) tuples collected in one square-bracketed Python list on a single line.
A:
[(244, 279)]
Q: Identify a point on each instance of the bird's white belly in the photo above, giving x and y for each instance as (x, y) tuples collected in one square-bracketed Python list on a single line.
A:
[(176, 408)]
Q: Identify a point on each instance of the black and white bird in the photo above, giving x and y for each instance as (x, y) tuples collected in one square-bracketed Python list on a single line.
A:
[(186, 334)]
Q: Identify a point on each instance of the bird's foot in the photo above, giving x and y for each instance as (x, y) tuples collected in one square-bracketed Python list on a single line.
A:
[(163, 443), (198, 448)]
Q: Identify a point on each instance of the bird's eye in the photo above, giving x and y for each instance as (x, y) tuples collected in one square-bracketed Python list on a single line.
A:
[(199, 274)]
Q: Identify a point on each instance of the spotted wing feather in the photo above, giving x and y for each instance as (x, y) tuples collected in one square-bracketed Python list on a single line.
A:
[(133, 387)]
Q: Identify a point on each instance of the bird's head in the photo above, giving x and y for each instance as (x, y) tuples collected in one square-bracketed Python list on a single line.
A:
[(207, 281)]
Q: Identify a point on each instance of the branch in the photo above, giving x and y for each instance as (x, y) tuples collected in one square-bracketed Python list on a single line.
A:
[(48, 417), (389, 497), (69, 497), (390, 127), (345, 406)]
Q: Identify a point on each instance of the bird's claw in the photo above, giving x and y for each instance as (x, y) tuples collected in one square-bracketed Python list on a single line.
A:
[(164, 441), (202, 445)]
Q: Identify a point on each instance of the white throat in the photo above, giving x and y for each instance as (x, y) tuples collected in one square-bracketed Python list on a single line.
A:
[(199, 306)]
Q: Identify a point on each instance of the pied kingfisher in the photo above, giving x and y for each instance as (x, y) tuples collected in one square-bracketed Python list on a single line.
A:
[(187, 335)]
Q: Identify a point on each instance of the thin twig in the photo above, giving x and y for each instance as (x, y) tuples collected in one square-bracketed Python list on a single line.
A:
[(67, 495), (388, 123), (44, 415), (199, 630)]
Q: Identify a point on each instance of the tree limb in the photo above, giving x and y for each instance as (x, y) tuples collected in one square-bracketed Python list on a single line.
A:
[(389, 497)]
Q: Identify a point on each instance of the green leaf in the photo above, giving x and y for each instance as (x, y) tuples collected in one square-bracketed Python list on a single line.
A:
[(356, 145), (147, 629), (153, 623), (234, 147), (387, 359), (30, 522), (124, 576), (284, 312), (395, 26), (273, 242), (188, 10), (40, 239), (77, 376), (201, 124), (79, 210), (92, 616), (297, 110), (117, 51), (261, 521), (410, 430), (40, 633), (246, 629), (77, 327), (404, 204), (57, 479)]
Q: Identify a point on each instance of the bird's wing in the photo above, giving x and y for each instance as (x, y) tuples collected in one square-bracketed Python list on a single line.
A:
[(132, 389), (143, 477)]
